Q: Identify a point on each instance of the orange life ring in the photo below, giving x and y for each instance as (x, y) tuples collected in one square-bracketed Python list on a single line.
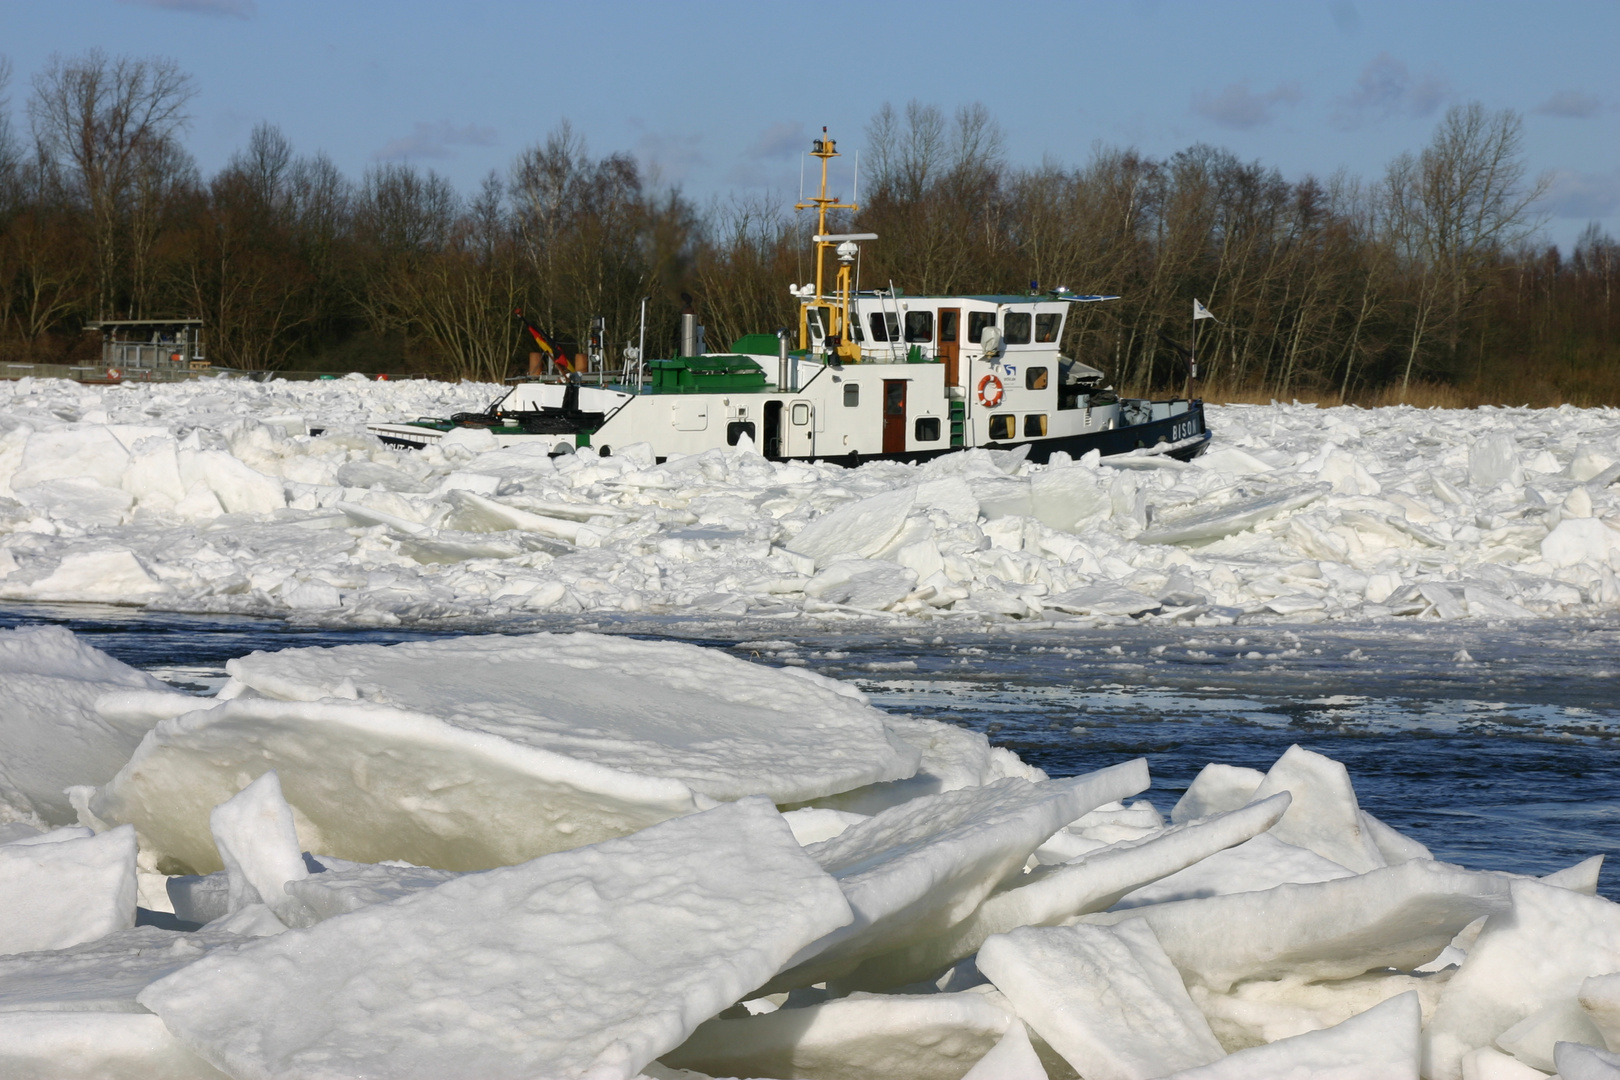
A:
[(990, 390), (114, 373)]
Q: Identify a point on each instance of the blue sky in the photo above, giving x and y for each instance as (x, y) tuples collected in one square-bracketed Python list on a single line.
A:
[(722, 97)]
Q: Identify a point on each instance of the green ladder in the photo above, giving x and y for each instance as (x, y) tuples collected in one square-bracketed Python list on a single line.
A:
[(958, 421)]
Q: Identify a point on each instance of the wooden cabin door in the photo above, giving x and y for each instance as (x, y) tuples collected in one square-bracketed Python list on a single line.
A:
[(950, 331), (894, 416)]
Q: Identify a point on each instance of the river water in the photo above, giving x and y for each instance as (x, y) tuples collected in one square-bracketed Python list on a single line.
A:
[(1497, 746)]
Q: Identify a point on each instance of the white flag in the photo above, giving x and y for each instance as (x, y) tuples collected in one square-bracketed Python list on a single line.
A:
[(1201, 312)]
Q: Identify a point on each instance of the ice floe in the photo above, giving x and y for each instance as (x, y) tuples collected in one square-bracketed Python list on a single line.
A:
[(213, 497)]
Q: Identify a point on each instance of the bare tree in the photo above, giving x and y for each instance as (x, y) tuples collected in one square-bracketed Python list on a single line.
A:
[(97, 123), (10, 154), (1451, 210)]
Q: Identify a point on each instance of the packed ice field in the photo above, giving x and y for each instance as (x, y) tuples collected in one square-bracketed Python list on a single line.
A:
[(591, 857), (211, 496)]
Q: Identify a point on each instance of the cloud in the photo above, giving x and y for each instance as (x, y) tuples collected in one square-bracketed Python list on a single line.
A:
[(782, 139), (1345, 16), (236, 9), (1575, 104), (666, 157), (434, 141), (1239, 107), (1583, 195), (1387, 88)]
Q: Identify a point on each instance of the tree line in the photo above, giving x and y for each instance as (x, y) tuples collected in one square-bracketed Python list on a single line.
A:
[(1432, 274)]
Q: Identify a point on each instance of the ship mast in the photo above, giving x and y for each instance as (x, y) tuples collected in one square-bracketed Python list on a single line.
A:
[(826, 149)]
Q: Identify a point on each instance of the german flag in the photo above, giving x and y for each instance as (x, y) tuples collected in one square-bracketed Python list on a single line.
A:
[(543, 342)]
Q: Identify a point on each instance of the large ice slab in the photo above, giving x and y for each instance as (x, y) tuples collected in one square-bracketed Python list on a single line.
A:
[(929, 1037), (1379, 1044), (588, 963), (54, 895), (1091, 882), (914, 871), (1107, 999), (95, 1046), (1535, 955), (370, 783), (51, 737), (1394, 917), (721, 725)]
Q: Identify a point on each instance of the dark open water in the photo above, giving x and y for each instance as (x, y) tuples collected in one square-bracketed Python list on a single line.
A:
[(1497, 746)]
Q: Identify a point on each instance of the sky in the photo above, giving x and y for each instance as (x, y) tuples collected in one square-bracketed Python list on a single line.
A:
[(723, 98)]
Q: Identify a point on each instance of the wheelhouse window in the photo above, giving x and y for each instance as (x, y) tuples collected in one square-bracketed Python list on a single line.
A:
[(926, 429), (885, 326), (1004, 426), (1035, 426), (1015, 327), (1048, 326), (920, 327), (977, 321), (816, 317), (852, 395), (1034, 378)]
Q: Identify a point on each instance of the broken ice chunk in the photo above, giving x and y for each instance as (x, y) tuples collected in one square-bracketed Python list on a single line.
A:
[(1255, 865), (1013, 1058), (51, 737), (860, 528), (1577, 1062), (592, 962), (258, 844), (1324, 815), (1216, 789), (932, 1037), (1380, 1043), (1222, 521), (1535, 954), (1107, 999), (1091, 882), (1397, 916), (95, 1046), (914, 871), (54, 895)]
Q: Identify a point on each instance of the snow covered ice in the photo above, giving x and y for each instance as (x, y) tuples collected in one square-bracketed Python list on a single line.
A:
[(210, 496)]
